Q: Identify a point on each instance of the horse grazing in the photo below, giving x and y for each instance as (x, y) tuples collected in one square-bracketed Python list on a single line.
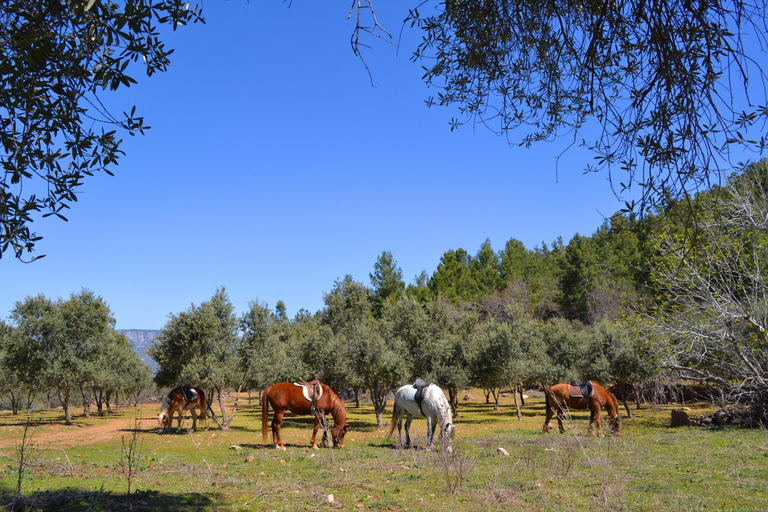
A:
[(181, 399), (569, 396), (433, 405), (308, 398)]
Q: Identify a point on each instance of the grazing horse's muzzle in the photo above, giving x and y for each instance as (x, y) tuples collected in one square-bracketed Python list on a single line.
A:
[(163, 421), (337, 435)]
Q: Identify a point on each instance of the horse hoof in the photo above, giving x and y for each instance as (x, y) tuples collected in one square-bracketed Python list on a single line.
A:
[(315, 447), (279, 447)]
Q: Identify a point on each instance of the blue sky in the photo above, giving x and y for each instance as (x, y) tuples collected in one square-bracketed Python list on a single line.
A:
[(273, 168)]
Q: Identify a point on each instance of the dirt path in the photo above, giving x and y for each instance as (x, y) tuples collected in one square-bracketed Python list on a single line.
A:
[(59, 435)]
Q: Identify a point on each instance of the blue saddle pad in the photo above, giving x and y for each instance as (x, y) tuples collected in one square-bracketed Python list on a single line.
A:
[(411, 393)]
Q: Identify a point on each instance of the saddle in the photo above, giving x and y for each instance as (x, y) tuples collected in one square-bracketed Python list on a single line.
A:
[(418, 397), (190, 395), (581, 389), (312, 391)]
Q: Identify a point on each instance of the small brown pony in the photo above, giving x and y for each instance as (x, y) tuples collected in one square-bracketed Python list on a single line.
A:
[(176, 401), (558, 399), (289, 396)]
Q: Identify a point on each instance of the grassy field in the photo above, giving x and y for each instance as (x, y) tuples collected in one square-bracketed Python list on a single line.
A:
[(650, 467)]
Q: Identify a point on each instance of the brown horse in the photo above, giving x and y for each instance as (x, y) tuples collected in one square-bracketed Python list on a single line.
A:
[(558, 399), (289, 396), (177, 400)]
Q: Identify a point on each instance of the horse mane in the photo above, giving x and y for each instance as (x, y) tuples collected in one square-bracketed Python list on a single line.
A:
[(166, 403), (615, 401), (443, 408), (611, 396), (338, 411)]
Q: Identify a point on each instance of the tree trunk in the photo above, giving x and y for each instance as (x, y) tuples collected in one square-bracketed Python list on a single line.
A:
[(224, 425), (522, 397), (64, 399), (99, 398), (517, 406), (637, 396), (14, 403), (495, 399), (454, 401), (379, 399), (86, 403), (487, 393), (228, 420), (357, 398)]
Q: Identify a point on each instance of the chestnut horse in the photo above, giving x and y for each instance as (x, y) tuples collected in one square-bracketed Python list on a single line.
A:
[(177, 400), (289, 396), (558, 399)]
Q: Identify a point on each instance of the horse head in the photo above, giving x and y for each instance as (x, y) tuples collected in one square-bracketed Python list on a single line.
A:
[(164, 421), (614, 424), (449, 431), (337, 435)]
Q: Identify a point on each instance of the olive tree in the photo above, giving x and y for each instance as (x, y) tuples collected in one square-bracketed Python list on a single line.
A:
[(199, 347), (56, 61), (663, 92)]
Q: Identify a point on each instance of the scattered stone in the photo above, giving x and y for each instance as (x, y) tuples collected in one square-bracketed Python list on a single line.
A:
[(235, 447), (502, 452), (250, 458), (468, 397), (329, 498)]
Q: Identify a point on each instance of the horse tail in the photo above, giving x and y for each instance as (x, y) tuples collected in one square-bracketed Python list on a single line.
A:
[(394, 418), (264, 414), (547, 403)]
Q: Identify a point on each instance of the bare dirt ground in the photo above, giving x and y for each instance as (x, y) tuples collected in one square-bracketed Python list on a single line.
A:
[(52, 436)]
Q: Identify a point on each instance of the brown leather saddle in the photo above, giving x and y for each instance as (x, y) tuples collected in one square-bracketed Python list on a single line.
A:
[(581, 389)]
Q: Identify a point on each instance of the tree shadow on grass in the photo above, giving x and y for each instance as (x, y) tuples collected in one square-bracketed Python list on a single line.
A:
[(70, 499)]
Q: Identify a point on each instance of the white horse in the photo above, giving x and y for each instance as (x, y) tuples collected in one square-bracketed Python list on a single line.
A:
[(434, 406)]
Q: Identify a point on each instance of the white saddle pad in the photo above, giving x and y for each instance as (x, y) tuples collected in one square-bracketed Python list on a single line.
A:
[(306, 391)]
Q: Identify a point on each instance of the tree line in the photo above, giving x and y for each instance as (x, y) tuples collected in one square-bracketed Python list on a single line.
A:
[(66, 348), (659, 298)]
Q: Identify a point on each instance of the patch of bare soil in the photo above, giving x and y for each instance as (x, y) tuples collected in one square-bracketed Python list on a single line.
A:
[(60, 435)]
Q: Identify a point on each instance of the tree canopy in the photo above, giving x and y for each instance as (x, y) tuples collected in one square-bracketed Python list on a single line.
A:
[(667, 94), (55, 59)]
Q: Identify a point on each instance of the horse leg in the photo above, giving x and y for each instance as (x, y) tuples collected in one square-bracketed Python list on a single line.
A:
[(550, 413), (277, 419), (314, 433), (431, 424), (194, 420), (181, 417), (408, 431), (594, 417), (560, 419)]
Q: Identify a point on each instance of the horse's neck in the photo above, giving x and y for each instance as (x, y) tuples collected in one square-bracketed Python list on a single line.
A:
[(166, 404), (336, 408), (443, 411)]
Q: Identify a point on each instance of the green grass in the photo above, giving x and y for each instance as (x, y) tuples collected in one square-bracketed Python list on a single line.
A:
[(650, 467)]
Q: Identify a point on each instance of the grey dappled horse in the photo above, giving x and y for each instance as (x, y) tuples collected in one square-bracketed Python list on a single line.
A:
[(434, 406)]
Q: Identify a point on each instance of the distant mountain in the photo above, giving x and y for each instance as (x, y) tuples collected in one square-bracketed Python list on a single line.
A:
[(141, 339)]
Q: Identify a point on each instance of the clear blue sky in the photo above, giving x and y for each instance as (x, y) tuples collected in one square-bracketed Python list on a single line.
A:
[(273, 168)]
